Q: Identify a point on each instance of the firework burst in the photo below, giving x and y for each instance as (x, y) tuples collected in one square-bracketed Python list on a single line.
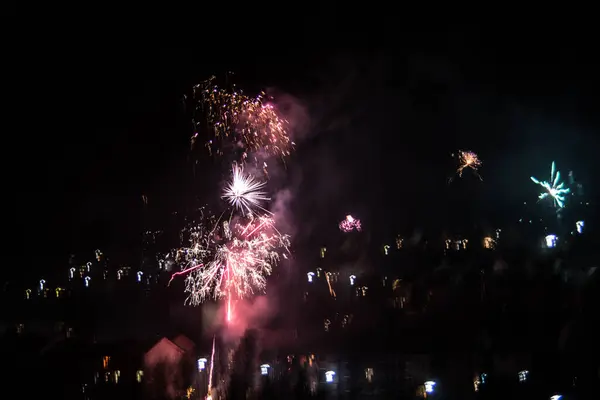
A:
[(468, 159), (231, 257), (236, 120), (350, 224), (232, 260), (244, 192), (553, 188)]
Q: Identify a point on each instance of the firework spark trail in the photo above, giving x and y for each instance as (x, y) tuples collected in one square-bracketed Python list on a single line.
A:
[(554, 188), (244, 192), (183, 272), (350, 224), (468, 159), (238, 120), (212, 363)]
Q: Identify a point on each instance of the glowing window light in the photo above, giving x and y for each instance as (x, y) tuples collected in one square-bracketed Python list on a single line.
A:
[(489, 242), (202, 364), (362, 291), (523, 375), (399, 242), (476, 383), (329, 375), (140, 274), (429, 386), (310, 276), (579, 225), (264, 369), (352, 279), (551, 241)]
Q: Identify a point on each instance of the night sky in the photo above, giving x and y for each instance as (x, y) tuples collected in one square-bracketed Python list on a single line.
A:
[(96, 127)]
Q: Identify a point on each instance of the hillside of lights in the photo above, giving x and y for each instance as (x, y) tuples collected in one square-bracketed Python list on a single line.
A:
[(330, 295)]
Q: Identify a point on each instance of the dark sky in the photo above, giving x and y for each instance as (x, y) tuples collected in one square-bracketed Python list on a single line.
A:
[(96, 127)]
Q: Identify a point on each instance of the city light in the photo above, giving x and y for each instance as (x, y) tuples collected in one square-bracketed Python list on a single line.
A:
[(523, 375), (264, 369), (310, 276), (429, 386), (329, 375), (202, 364), (352, 279), (551, 241)]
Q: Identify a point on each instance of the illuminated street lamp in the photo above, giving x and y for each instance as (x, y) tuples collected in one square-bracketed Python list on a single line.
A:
[(202, 364), (310, 276)]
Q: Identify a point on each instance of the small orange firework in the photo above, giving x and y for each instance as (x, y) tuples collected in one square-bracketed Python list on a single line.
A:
[(468, 159)]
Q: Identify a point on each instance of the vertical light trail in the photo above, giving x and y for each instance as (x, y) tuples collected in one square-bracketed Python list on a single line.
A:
[(210, 372)]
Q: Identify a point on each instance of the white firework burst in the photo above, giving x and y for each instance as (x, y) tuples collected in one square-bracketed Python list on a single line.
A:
[(244, 192)]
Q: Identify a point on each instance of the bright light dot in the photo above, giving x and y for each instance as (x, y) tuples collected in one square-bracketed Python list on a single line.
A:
[(329, 376), (429, 386), (264, 369)]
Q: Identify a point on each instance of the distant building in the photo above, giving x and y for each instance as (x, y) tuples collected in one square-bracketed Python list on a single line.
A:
[(169, 366)]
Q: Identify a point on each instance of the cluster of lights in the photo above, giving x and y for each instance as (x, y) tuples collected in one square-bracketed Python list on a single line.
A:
[(329, 276)]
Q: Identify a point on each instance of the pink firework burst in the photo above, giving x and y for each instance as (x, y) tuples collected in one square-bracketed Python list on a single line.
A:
[(350, 224)]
